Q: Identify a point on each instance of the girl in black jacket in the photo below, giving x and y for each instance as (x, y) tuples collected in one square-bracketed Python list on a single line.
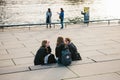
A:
[(73, 49), (59, 47), (42, 53)]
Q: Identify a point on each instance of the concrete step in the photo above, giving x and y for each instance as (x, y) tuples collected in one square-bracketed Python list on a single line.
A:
[(60, 72)]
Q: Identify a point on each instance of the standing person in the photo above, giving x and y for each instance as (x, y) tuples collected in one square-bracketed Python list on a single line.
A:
[(43, 55), (61, 16), (73, 49), (48, 17), (59, 47)]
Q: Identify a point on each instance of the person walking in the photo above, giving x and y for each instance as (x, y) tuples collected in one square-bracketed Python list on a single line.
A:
[(48, 18)]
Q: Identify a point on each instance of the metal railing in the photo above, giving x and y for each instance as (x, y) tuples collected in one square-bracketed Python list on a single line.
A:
[(27, 24), (54, 23), (107, 20), (104, 20)]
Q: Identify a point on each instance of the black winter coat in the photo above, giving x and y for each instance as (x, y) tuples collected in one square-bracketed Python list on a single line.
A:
[(59, 49), (41, 53), (72, 49)]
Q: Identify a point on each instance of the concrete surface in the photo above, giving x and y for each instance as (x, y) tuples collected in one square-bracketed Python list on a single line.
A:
[(98, 45)]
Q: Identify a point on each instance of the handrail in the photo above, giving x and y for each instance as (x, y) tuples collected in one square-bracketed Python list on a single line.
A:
[(27, 24), (103, 20)]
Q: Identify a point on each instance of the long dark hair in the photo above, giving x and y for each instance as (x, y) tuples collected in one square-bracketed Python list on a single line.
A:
[(61, 9), (49, 10), (60, 40)]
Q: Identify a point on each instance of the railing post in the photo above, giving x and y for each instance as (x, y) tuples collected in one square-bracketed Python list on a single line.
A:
[(2, 28), (65, 25), (87, 24), (119, 21), (29, 27), (108, 22), (54, 25)]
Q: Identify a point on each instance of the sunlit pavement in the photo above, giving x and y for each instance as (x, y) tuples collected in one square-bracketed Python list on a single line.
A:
[(99, 46)]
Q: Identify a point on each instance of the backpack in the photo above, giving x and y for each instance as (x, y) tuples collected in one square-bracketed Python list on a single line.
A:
[(66, 57), (49, 59)]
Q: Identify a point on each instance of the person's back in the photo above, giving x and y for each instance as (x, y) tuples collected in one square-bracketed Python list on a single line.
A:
[(73, 49), (43, 55), (58, 50), (39, 57), (59, 47)]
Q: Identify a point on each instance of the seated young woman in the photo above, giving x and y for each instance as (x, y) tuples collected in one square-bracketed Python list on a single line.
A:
[(43, 55)]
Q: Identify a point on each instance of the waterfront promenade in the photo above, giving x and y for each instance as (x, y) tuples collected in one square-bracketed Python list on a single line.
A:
[(99, 46)]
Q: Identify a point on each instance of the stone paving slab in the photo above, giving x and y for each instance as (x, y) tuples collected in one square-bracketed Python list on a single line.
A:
[(93, 43), (83, 61), (9, 39), (103, 58), (3, 51), (33, 50), (22, 61), (6, 63), (11, 42), (6, 35), (46, 74), (96, 68), (4, 57), (78, 62), (91, 53), (110, 51), (15, 55), (11, 70), (19, 51), (117, 40), (110, 76), (0, 44), (23, 37), (38, 67), (93, 47), (31, 45), (98, 42), (13, 46), (116, 46), (118, 72), (2, 47)]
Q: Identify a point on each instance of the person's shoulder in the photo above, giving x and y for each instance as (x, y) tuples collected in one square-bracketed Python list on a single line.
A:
[(42, 48), (62, 44), (72, 44)]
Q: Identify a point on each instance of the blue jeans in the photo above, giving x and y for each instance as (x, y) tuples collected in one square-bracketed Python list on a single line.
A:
[(61, 22)]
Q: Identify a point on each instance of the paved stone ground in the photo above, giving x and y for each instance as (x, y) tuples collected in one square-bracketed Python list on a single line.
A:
[(99, 46)]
